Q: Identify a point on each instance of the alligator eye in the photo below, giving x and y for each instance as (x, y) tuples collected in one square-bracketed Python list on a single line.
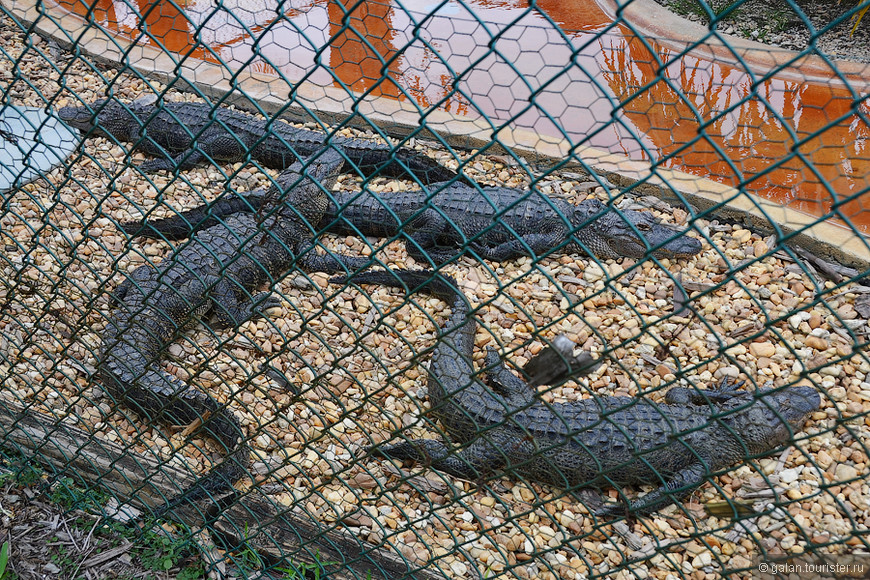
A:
[(643, 227)]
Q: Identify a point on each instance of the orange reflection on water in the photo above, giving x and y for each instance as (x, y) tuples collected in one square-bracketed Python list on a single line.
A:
[(802, 144), (505, 62), (161, 23), (362, 49)]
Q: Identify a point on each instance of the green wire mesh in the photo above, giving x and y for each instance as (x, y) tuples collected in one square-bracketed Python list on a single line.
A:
[(509, 95)]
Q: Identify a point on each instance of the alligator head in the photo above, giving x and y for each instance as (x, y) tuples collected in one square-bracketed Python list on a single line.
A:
[(771, 419), (630, 234), (105, 117)]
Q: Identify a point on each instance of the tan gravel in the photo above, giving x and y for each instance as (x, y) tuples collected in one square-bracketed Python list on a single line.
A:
[(758, 319)]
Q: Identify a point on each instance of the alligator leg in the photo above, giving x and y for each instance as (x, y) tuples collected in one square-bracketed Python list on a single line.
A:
[(436, 255), (181, 162), (473, 462), (540, 244), (590, 498), (421, 167), (727, 389), (134, 278), (310, 261), (425, 230), (504, 382), (552, 365), (678, 487), (216, 143), (230, 311)]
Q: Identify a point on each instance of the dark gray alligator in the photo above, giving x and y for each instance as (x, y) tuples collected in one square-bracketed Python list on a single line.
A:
[(215, 273), (184, 134), (504, 426), (498, 223)]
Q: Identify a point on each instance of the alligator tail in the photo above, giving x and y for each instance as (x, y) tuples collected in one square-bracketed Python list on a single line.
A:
[(182, 225), (419, 166), (225, 428), (458, 334), (127, 376)]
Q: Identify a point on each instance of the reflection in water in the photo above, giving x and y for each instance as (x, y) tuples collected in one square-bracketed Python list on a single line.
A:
[(745, 133), (506, 62), (362, 53)]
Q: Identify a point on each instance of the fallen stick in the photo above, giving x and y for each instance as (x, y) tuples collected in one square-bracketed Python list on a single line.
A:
[(276, 534)]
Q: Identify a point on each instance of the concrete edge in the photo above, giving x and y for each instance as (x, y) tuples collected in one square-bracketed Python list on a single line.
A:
[(651, 20), (394, 117)]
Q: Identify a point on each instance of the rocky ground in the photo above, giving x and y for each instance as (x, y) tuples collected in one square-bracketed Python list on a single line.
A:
[(778, 24), (761, 316)]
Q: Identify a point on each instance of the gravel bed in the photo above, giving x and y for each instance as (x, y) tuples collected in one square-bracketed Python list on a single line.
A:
[(61, 244), (777, 24)]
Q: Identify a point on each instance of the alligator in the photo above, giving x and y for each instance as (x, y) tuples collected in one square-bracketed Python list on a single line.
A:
[(499, 425), (185, 134), (498, 223), (215, 272)]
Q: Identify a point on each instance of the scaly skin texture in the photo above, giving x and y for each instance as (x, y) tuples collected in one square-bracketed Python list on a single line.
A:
[(184, 134), (214, 272), (590, 443), (498, 223)]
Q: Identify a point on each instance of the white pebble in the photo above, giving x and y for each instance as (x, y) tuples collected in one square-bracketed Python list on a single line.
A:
[(788, 476), (795, 320)]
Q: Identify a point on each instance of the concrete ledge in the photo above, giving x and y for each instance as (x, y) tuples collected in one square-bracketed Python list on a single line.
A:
[(649, 19), (400, 118)]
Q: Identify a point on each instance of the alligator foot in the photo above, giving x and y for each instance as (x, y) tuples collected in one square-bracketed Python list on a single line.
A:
[(590, 498), (502, 381), (231, 314), (612, 510), (184, 161), (431, 255), (471, 463), (725, 391), (532, 245), (280, 378)]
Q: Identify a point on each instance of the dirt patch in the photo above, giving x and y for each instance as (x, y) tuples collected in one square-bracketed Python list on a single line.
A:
[(49, 538), (778, 24)]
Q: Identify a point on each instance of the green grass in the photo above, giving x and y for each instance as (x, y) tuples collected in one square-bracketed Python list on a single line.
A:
[(4, 561), (313, 571), (65, 493), (696, 7)]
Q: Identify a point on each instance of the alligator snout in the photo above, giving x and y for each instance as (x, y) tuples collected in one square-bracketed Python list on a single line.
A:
[(631, 233), (798, 402), (682, 247), (81, 118)]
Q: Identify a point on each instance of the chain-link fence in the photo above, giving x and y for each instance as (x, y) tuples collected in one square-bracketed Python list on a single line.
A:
[(685, 206)]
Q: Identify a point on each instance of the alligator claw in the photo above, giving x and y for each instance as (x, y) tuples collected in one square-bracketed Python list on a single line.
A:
[(270, 301), (280, 378), (614, 510), (726, 388), (610, 510)]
